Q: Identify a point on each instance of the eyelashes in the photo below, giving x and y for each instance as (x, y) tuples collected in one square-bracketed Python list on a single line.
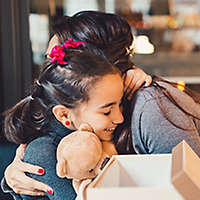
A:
[(107, 113)]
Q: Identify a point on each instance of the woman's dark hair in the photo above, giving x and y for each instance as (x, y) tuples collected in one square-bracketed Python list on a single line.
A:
[(67, 85), (107, 35)]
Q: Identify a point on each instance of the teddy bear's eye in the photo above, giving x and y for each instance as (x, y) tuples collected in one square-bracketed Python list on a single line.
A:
[(91, 170)]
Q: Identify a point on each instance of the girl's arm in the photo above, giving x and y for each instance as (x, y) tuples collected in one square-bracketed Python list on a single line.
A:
[(134, 79), (17, 180)]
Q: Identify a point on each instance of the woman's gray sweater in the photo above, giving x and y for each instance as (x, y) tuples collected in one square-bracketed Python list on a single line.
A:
[(152, 132)]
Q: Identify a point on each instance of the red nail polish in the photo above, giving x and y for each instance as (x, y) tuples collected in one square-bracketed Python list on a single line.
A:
[(40, 171), (50, 191)]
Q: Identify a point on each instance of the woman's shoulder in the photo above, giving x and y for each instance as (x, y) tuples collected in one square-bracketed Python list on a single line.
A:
[(164, 97), (157, 91), (146, 94)]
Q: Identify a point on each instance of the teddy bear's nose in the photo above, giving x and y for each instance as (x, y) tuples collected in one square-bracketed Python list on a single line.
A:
[(91, 170)]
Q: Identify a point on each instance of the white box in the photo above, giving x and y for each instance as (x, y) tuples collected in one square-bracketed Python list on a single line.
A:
[(173, 176)]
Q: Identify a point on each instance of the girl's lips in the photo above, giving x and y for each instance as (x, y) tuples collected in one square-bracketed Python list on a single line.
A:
[(109, 133), (110, 129)]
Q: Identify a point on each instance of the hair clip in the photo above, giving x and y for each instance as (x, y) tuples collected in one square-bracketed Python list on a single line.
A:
[(38, 83), (130, 49), (31, 97)]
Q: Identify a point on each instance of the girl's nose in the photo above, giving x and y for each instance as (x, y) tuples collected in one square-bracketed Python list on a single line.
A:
[(118, 118)]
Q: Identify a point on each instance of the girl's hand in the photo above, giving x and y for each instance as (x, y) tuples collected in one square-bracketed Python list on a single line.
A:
[(20, 183), (76, 185), (134, 79), (80, 187)]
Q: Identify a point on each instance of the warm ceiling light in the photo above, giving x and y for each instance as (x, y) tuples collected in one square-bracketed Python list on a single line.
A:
[(142, 45)]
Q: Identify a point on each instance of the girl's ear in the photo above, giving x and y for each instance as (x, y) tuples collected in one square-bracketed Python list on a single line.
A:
[(61, 113), (53, 42)]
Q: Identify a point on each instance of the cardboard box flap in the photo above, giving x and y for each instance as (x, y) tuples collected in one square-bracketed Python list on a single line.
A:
[(153, 177), (185, 171), (140, 176), (135, 171), (110, 176)]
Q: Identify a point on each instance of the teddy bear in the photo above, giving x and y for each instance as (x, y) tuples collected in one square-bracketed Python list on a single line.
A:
[(81, 156)]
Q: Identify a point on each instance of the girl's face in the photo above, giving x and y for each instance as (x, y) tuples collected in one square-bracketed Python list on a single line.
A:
[(102, 110)]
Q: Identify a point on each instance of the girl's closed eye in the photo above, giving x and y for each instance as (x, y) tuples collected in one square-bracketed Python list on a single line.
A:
[(107, 113)]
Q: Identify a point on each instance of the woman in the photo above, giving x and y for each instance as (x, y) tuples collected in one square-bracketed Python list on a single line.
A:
[(154, 124)]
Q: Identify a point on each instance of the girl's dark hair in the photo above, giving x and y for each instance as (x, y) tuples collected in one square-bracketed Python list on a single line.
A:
[(107, 35), (67, 85), (123, 133)]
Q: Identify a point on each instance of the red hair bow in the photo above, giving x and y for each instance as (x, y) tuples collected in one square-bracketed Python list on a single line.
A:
[(57, 53)]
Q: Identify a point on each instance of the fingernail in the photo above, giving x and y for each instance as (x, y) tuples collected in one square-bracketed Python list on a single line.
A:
[(40, 171), (50, 191)]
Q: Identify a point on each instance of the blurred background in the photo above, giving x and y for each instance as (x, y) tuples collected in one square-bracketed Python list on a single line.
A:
[(167, 43)]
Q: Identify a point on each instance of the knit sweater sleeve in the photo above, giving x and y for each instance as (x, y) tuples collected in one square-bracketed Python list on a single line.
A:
[(152, 132), (42, 152)]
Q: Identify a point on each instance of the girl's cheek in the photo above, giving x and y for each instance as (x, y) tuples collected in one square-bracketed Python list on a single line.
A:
[(102, 124)]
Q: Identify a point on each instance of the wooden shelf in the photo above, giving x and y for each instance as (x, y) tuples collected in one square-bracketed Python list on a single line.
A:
[(170, 64)]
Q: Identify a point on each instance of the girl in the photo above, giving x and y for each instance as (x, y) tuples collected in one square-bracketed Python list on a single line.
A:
[(156, 119), (107, 35), (76, 87)]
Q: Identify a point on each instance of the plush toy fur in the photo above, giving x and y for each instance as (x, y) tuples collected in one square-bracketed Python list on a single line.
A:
[(81, 153)]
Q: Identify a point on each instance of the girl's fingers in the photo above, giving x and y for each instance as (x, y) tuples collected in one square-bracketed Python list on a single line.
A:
[(148, 80), (20, 183), (33, 169), (30, 193), (26, 185), (132, 82), (128, 80), (20, 151), (134, 79), (137, 85), (18, 166), (37, 186), (23, 166)]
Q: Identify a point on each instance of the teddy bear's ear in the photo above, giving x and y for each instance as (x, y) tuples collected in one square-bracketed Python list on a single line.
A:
[(85, 127), (61, 169)]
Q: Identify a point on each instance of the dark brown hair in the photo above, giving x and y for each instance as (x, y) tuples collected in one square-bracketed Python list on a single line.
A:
[(67, 85), (107, 35)]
